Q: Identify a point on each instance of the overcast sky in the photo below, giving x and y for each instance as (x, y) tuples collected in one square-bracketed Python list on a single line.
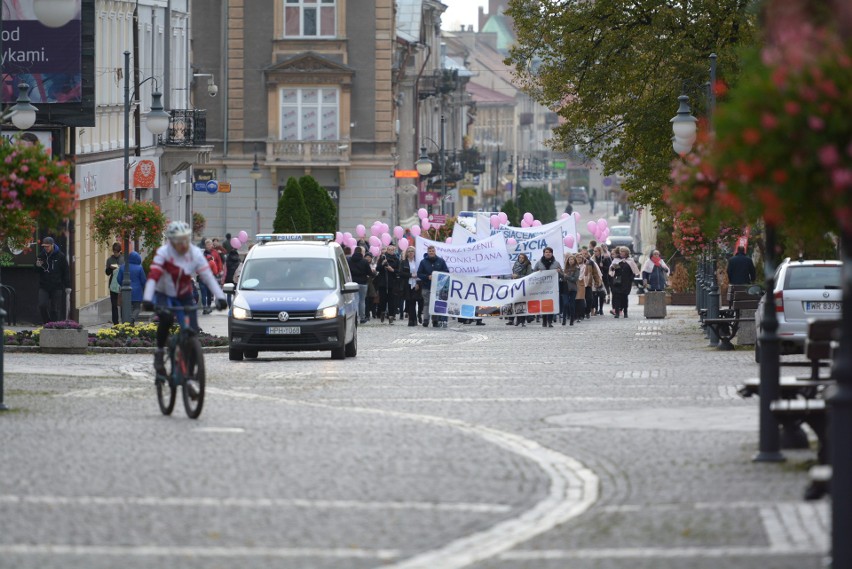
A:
[(461, 12)]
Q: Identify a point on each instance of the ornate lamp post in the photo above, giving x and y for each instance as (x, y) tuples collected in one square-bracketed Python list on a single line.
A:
[(157, 121), (423, 164), (255, 174)]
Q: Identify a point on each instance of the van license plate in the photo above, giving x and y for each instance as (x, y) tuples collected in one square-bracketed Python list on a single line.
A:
[(277, 330), (822, 306)]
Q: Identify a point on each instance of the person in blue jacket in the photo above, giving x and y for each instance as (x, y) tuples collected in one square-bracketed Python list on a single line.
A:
[(137, 283), (431, 262)]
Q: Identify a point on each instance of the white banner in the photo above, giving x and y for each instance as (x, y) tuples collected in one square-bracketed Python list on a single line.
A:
[(459, 296), (567, 226), (534, 248), (487, 257)]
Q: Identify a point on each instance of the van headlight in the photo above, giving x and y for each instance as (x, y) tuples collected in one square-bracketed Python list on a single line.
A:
[(327, 313), (241, 313), (608, 241)]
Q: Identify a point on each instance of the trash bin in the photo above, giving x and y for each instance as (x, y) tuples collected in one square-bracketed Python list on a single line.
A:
[(655, 304)]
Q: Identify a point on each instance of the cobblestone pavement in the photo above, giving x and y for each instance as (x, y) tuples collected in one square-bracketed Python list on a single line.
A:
[(609, 444)]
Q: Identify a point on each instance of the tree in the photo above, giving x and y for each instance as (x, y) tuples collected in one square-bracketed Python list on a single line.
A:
[(292, 215), (538, 202), (511, 211), (320, 206), (613, 69)]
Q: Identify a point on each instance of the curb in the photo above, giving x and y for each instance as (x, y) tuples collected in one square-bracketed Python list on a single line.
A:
[(99, 350)]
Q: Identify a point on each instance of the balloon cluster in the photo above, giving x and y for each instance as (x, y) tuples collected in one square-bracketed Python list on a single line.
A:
[(239, 240), (599, 229), (380, 236)]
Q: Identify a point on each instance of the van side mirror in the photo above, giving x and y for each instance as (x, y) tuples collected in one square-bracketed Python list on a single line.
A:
[(228, 288), (350, 288)]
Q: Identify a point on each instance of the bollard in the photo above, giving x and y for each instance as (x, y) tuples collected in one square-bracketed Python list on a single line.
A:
[(713, 304)]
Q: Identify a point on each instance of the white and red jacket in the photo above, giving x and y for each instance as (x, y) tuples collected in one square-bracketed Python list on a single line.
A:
[(171, 273)]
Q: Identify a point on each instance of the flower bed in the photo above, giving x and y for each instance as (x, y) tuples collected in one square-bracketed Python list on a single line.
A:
[(119, 336)]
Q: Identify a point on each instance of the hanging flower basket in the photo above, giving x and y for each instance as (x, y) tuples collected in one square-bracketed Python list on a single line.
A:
[(137, 220)]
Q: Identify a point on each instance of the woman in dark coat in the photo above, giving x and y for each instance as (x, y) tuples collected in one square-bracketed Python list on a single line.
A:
[(622, 271), (387, 274), (409, 288)]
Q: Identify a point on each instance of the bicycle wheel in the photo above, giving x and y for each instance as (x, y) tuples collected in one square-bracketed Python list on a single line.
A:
[(191, 359), (166, 391)]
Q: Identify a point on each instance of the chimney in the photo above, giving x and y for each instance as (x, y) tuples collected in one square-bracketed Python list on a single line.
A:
[(482, 18)]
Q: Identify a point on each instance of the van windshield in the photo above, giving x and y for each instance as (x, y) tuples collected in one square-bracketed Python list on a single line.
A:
[(288, 274)]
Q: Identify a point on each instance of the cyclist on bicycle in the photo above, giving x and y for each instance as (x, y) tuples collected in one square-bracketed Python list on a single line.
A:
[(170, 283)]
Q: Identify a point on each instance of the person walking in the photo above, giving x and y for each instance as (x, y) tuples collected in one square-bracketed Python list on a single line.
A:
[(547, 263), (361, 271), (654, 273), (741, 268), (409, 287), (593, 195), (387, 275), (568, 288), (54, 281), (520, 269), (232, 264), (215, 262), (137, 283), (580, 298), (113, 262), (594, 288), (622, 270), (603, 260), (430, 263)]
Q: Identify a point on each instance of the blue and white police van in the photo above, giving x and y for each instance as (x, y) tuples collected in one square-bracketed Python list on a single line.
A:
[(294, 293)]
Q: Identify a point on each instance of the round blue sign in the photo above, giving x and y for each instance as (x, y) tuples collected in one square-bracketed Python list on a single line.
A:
[(607, 181), (212, 187)]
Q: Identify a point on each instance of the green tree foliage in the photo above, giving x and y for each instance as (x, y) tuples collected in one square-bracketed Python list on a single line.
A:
[(613, 70), (292, 215), (538, 202), (511, 211), (320, 206)]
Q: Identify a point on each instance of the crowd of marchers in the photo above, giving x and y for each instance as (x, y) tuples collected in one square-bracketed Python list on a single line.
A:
[(397, 284)]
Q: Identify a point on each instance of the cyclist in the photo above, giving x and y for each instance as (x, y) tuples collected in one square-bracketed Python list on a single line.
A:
[(170, 281)]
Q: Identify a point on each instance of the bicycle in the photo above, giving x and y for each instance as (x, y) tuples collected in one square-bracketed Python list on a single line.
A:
[(186, 360)]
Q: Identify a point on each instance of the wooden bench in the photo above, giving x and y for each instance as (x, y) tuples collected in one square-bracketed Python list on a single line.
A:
[(820, 343), (820, 484), (793, 412), (790, 387), (727, 326)]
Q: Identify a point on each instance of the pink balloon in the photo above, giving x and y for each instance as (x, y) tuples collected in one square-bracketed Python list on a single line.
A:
[(564, 215), (385, 228), (601, 224), (338, 237), (591, 226), (386, 239), (403, 244), (422, 213), (424, 223), (568, 240), (398, 232), (525, 223), (536, 223), (347, 236), (236, 243), (375, 241), (449, 240), (375, 250), (351, 243), (529, 217), (577, 216), (360, 230), (242, 236), (495, 221), (511, 241), (503, 217), (376, 230), (415, 230)]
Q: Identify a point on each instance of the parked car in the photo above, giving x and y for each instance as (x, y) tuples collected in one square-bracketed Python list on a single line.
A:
[(578, 194), (619, 236), (804, 290)]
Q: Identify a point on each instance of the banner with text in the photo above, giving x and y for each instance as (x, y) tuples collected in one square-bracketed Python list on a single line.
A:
[(460, 296), (567, 226), (487, 257), (534, 248)]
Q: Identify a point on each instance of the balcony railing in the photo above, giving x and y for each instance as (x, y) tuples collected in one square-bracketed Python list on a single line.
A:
[(307, 152), (187, 127)]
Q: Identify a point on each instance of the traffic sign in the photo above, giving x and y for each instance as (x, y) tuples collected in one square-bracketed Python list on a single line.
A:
[(199, 186), (406, 174), (212, 186), (224, 187)]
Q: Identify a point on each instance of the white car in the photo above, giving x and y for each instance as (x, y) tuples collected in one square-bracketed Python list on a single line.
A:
[(804, 290)]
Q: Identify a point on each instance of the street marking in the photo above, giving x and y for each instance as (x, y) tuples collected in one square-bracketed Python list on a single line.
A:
[(259, 503), (502, 399), (408, 341), (573, 489), (219, 430), (658, 553), (206, 551)]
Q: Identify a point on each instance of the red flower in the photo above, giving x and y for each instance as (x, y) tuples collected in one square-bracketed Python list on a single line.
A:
[(751, 136)]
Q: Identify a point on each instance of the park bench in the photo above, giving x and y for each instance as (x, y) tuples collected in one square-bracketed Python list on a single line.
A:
[(728, 324), (822, 336), (820, 481)]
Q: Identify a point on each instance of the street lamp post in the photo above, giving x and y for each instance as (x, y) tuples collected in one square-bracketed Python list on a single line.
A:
[(496, 180), (53, 14), (443, 168), (157, 121), (255, 174)]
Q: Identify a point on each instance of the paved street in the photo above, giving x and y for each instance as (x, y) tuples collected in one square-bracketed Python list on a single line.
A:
[(610, 444)]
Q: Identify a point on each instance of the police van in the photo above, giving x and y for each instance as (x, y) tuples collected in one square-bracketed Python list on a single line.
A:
[(294, 293)]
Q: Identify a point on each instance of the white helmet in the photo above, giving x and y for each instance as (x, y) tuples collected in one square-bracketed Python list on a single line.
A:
[(178, 229)]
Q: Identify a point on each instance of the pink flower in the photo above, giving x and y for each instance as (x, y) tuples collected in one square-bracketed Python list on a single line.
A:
[(768, 121), (751, 136), (816, 123), (792, 108), (841, 177), (828, 156)]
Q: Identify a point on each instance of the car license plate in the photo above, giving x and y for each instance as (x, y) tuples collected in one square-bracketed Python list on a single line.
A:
[(277, 330), (822, 306)]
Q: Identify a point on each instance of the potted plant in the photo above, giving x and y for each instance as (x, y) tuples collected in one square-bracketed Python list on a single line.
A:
[(63, 337), (680, 285)]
